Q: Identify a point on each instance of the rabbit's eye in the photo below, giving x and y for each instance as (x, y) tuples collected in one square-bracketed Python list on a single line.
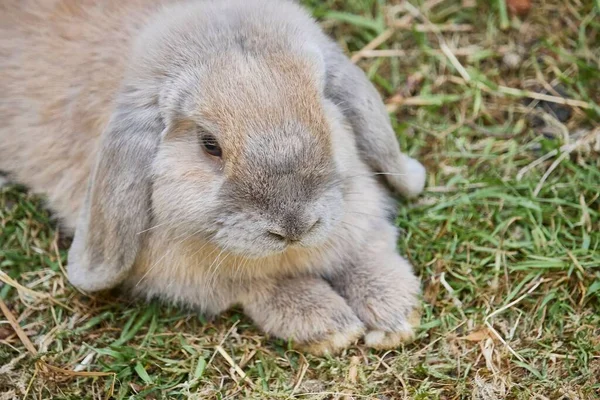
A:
[(211, 146)]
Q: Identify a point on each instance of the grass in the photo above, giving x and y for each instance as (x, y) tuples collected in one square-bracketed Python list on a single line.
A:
[(506, 238)]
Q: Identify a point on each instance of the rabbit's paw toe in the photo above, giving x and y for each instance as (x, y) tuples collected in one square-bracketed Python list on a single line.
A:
[(335, 342), (404, 333)]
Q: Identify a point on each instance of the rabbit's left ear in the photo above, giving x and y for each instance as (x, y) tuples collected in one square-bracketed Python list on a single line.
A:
[(348, 87), (116, 210)]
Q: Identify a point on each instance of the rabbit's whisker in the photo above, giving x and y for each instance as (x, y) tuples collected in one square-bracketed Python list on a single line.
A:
[(344, 179), (164, 255), (158, 226), (336, 235), (214, 276), (366, 214), (191, 256), (362, 228)]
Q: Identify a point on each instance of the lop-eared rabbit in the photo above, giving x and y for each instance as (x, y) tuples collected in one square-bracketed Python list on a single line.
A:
[(212, 154)]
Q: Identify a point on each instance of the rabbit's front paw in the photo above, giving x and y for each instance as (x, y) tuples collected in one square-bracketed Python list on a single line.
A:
[(384, 293), (307, 311), (390, 316)]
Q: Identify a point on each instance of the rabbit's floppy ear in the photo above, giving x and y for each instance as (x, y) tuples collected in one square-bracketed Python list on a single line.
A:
[(348, 87), (116, 210)]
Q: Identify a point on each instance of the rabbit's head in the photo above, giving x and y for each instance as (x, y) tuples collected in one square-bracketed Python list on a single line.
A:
[(247, 158), (226, 140)]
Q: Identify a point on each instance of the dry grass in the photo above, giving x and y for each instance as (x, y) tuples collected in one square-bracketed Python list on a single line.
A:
[(506, 239)]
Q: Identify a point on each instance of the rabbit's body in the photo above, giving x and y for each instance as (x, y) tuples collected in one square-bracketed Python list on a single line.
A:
[(280, 213), (54, 105)]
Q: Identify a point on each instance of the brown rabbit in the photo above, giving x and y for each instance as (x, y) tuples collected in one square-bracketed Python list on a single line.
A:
[(212, 153)]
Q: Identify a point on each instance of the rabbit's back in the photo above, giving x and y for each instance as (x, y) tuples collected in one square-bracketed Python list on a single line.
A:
[(61, 62)]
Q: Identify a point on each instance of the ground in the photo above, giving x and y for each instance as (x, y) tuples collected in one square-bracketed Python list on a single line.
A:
[(506, 238)]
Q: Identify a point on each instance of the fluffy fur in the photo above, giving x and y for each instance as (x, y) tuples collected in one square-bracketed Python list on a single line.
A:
[(104, 106)]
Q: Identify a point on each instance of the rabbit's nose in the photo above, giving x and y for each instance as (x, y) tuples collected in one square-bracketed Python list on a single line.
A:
[(293, 229)]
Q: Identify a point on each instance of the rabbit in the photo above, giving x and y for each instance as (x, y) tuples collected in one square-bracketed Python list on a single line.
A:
[(213, 154)]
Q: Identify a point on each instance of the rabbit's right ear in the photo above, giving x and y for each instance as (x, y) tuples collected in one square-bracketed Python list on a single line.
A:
[(348, 87), (116, 209)]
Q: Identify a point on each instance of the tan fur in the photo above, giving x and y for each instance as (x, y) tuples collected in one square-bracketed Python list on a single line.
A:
[(61, 61), (287, 92), (102, 105)]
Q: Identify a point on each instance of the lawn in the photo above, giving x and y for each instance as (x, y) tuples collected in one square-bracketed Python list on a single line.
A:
[(504, 113)]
